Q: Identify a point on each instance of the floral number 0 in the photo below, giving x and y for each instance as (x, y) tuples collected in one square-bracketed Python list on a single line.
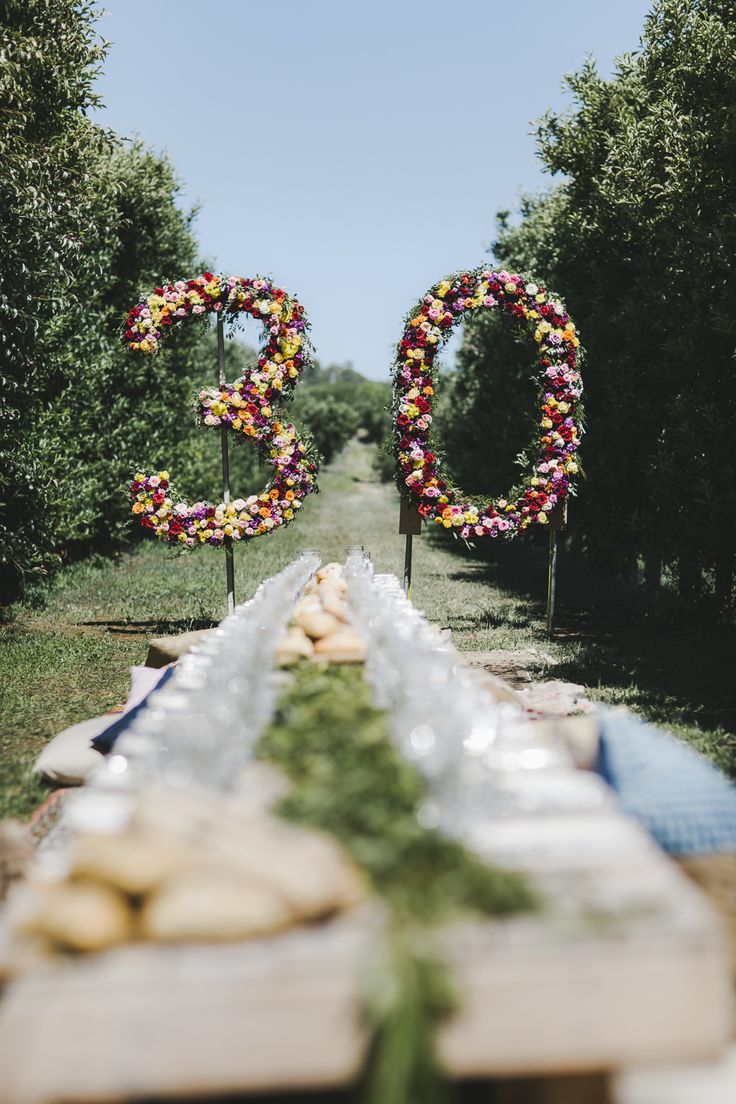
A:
[(245, 407), (419, 470)]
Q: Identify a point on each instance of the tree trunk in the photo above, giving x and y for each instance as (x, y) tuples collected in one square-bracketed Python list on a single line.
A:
[(724, 579), (690, 578), (652, 571)]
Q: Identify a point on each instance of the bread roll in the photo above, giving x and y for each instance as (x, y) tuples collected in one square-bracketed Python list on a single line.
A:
[(82, 916), (333, 572), (132, 862), (344, 646), (318, 625), (213, 905), (333, 602), (293, 646), (309, 604)]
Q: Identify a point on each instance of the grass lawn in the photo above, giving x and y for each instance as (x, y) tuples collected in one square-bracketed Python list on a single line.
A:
[(69, 659)]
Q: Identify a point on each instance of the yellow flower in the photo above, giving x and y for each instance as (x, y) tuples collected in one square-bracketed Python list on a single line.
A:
[(542, 518)]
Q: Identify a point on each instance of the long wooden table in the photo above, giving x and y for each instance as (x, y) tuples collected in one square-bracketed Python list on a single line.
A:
[(625, 965)]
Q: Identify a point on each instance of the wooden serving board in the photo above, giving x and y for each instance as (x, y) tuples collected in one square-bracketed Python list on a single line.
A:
[(625, 965)]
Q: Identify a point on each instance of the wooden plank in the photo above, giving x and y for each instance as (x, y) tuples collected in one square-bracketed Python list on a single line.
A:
[(607, 976)]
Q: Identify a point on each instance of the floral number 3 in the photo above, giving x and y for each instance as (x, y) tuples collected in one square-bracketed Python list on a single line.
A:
[(553, 469), (244, 407)]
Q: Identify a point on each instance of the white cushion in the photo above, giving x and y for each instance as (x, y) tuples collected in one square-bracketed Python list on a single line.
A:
[(142, 681), (68, 758)]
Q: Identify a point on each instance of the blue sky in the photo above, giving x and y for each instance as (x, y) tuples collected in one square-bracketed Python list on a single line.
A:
[(357, 152)]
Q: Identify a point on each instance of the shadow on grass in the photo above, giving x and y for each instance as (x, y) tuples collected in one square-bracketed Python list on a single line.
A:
[(620, 642), (153, 627)]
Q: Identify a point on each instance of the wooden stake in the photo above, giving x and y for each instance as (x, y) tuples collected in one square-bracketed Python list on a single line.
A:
[(229, 559), (551, 581), (407, 565), (557, 522)]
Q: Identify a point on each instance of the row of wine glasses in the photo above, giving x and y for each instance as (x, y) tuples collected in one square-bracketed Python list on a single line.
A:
[(202, 726), (480, 757)]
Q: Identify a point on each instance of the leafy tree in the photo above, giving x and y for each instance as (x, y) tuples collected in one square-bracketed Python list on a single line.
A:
[(91, 223), (49, 151), (639, 238), (331, 422)]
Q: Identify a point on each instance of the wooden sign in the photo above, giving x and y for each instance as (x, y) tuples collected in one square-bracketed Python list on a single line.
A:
[(410, 520)]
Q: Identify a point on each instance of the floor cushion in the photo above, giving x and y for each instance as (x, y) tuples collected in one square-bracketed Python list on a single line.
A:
[(69, 757), (682, 799)]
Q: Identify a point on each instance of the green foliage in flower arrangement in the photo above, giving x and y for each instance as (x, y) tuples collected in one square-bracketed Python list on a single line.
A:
[(347, 779)]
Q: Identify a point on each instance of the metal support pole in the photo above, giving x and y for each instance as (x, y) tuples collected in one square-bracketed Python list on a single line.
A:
[(410, 526), (229, 561), (551, 581), (407, 565)]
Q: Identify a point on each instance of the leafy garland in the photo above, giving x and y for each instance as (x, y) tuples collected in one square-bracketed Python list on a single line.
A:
[(348, 779), (245, 408), (419, 468)]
